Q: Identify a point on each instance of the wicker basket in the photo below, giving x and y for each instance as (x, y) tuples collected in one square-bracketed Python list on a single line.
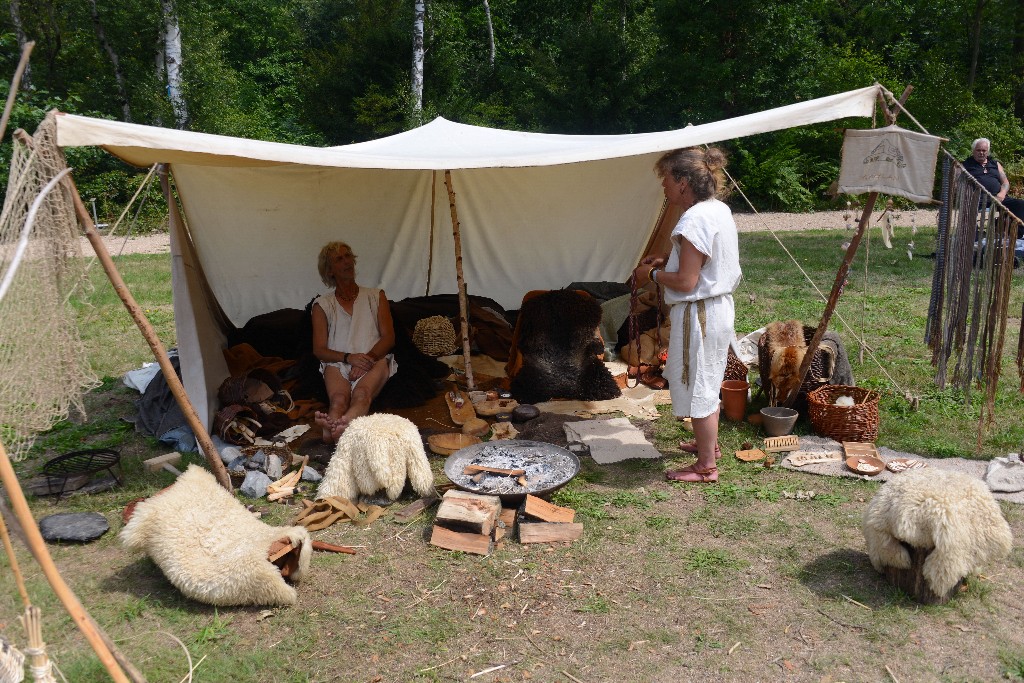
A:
[(735, 368), (858, 422), (247, 452), (435, 336)]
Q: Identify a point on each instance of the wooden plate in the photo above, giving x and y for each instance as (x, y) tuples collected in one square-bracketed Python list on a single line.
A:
[(460, 414), (865, 464), (751, 455), (446, 444), (491, 408)]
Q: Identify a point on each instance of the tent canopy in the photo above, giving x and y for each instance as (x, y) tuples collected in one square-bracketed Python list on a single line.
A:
[(536, 211)]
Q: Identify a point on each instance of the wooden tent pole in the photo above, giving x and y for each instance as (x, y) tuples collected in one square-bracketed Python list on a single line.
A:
[(37, 546), (173, 383), (463, 302), (15, 82), (833, 299)]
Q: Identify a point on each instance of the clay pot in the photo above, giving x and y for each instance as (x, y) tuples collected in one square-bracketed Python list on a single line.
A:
[(778, 421), (734, 399)]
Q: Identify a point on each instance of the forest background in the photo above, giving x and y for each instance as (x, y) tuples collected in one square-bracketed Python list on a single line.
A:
[(332, 72)]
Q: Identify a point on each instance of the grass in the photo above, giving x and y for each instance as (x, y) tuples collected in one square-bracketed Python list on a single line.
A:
[(669, 582)]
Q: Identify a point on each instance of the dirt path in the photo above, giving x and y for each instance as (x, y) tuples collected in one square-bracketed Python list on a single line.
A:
[(159, 243)]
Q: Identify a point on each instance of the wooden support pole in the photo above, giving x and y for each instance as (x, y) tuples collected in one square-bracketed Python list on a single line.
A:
[(833, 299), (157, 347), (15, 83), (463, 298), (37, 546)]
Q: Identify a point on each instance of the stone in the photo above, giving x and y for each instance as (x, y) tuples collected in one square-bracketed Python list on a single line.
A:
[(80, 527), (525, 412), (229, 454), (255, 484), (309, 474)]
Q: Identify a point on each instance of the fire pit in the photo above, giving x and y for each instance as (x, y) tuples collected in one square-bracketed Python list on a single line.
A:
[(545, 468)]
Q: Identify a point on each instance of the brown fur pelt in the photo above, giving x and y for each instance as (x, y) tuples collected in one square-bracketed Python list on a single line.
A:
[(560, 346), (787, 348), (650, 348)]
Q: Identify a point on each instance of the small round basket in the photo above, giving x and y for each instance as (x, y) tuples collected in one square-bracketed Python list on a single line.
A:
[(734, 367), (435, 336), (247, 452), (858, 422)]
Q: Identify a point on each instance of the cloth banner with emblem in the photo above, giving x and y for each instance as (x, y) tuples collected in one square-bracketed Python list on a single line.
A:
[(891, 161)]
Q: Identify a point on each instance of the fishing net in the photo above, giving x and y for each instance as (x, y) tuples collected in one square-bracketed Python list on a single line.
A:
[(43, 366)]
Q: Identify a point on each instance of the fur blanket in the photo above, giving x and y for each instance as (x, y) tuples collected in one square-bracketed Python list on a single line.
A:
[(951, 512), (557, 338), (377, 452), (210, 547)]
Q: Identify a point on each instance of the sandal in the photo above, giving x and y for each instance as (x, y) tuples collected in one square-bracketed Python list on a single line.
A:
[(692, 475), (691, 447)]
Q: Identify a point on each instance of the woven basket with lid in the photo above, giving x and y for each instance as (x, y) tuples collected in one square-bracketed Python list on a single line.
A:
[(435, 336)]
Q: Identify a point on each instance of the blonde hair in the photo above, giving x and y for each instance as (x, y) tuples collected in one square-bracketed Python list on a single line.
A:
[(323, 260), (704, 169)]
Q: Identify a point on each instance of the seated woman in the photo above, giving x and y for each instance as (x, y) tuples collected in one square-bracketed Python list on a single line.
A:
[(353, 336)]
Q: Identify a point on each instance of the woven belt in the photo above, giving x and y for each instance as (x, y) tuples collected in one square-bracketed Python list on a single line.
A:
[(702, 318)]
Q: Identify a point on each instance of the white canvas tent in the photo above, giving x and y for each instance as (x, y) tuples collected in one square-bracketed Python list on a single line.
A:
[(537, 211)]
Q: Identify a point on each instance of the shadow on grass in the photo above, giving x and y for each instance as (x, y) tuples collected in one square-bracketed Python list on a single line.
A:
[(848, 573)]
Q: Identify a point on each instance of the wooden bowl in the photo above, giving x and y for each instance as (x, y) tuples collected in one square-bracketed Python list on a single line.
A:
[(865, 464), (448, 443), (492, 408)]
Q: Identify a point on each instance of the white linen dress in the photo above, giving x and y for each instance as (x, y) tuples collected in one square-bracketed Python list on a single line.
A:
[(695, 378), (356, 333)]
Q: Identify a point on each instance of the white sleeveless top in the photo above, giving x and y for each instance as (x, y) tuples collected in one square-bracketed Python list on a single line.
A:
[(356, 333)]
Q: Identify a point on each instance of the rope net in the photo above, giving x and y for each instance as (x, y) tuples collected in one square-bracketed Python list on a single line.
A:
[(43, 366)]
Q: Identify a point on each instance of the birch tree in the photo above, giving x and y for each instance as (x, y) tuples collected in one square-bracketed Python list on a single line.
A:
[(419, 14), (172, 58), (490, 30)]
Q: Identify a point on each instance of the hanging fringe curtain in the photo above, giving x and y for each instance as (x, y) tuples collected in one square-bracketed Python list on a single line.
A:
[(971, 287)]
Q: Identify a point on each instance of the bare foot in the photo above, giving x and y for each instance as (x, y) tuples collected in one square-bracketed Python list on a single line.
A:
[(338, 428), (327, 424)]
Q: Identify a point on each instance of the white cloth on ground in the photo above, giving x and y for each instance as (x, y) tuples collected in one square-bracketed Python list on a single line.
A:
[(1005, 474), (356, 333), (611, 440)]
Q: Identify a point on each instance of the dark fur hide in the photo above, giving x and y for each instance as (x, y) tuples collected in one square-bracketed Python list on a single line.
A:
[(559, 345)]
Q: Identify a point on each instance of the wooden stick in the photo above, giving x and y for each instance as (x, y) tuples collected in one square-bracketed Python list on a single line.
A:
[(833, 299), (37, 546), (463, 297), (330, 547), (155, 345), (15, 569), (475, 469), (15, 82)]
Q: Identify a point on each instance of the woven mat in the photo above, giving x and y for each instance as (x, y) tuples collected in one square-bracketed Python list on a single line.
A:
[(837, 468)]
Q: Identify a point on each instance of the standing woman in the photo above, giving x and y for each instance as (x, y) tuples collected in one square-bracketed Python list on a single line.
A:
[(699, 276), (353, 335)]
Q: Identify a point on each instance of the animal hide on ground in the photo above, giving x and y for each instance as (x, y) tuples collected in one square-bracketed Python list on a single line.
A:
[(559, 344), (210, 547), (377, 452), (951, 512)]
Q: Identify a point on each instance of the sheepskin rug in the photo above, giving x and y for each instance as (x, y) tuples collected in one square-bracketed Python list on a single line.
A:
[(951, 512), (210, 547), (377, 452)]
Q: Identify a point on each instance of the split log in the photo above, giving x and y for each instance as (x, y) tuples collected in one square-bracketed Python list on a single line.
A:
[(464, 511), (538, 508), (478, 544), (549, 532), (415, 508)]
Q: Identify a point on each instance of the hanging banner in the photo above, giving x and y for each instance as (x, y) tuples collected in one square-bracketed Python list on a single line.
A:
[(891, 161)]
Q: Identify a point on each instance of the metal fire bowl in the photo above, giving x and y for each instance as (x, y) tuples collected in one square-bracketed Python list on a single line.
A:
[(555, 455)]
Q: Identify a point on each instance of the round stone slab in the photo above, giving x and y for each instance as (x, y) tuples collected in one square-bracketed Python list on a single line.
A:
[(81, 527)]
